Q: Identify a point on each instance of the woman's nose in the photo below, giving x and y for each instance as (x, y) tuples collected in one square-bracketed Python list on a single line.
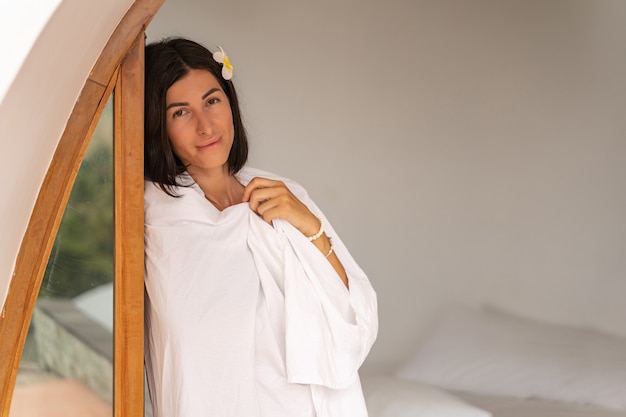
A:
[(205, 125)]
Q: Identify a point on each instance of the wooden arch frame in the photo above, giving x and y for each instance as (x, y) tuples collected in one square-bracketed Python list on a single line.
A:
[(120, 69)]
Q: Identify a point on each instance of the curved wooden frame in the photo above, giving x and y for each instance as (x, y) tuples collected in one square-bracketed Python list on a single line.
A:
[(119, 66)]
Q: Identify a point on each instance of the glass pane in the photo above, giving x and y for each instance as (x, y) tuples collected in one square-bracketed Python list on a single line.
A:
[(67, 364)]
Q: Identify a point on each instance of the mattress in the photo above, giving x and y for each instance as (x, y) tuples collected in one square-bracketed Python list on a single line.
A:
[(515, 407), (394, 397)]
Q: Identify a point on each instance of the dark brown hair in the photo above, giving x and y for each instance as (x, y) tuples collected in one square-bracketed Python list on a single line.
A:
[(167, 61)]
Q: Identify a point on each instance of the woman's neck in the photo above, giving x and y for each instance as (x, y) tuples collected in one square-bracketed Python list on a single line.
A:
[(220, 187)]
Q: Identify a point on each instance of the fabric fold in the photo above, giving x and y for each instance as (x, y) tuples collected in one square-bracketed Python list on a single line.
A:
[(239, 310)]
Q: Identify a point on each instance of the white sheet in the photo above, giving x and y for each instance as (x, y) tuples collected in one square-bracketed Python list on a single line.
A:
[(247, 319), (394, 397), (517, 407)]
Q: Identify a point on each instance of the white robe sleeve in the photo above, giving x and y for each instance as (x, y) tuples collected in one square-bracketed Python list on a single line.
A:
[(329, 329)]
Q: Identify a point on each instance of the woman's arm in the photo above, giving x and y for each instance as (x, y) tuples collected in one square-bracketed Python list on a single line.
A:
[(272, 199)]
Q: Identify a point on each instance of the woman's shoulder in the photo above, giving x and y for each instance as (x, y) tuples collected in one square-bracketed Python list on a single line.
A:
[(157, 202), (153, 191)]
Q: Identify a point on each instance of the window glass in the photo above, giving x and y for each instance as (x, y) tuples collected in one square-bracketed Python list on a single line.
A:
[(67, 362)]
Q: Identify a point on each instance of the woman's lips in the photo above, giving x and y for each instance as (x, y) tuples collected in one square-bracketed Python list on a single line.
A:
[(208, 144)]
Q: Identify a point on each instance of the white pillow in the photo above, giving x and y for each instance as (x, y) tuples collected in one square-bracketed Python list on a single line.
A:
[(495, 353), (393, 397)]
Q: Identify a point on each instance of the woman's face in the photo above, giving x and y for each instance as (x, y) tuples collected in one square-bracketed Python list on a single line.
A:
[(199, 122)]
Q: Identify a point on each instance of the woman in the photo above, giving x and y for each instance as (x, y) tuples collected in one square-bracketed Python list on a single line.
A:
[(254, 306)]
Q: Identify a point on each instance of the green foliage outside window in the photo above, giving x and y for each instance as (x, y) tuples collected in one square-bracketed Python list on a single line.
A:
[(82, 255)]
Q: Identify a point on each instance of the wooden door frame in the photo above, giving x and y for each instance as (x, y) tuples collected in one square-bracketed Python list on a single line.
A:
[(119, 68)]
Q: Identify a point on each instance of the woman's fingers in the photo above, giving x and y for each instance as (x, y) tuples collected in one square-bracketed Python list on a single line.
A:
[(272, 199), (258, 183), (261, 190)]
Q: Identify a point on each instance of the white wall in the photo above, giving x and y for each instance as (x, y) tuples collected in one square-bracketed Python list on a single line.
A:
[(467, 151), (22, 37), (48, 59)]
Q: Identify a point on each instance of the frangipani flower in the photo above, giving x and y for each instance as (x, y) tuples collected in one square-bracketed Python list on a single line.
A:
[(227, 68)]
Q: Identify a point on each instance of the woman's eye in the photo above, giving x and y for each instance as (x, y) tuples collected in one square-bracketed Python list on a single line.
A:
[(213, 100), (178, 113)]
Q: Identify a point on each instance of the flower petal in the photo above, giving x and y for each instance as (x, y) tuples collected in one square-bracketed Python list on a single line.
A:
[(227, 73), (219, 56), (227, 69)]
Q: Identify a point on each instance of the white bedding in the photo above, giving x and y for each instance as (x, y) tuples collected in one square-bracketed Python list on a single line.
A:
[(495, 353), (491, 363), (515, 407), (395, 397)]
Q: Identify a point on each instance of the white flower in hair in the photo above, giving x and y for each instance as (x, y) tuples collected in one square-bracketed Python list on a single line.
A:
[(227, 68)]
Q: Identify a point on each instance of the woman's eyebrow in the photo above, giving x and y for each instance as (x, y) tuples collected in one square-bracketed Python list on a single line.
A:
[(169, 106), (205, 95), (211, 91)]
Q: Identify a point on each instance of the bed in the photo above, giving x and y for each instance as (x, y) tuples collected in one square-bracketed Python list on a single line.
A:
[(489, 363)]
